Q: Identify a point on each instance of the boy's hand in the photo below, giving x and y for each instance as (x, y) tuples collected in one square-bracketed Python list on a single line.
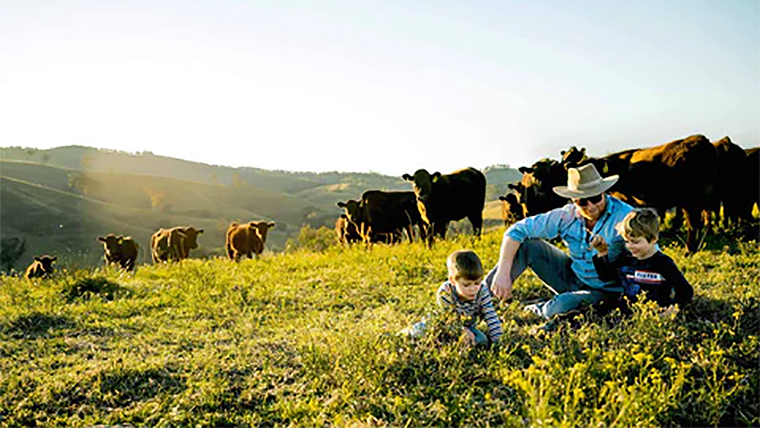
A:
[(468, 337), (599, 244)]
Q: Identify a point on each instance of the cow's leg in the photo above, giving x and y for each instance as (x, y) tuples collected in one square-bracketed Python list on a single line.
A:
[(476, 219), (440, 228), (230, 252), (695, 225)]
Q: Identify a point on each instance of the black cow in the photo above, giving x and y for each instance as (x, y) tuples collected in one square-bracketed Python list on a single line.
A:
[(535, 189), (752, 178), (737, 203), (346, 232), (450, 197), (682, 174), (511, 209), (383, 216)]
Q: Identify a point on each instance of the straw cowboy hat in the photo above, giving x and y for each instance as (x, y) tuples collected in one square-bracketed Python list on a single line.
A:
[(584, 182)]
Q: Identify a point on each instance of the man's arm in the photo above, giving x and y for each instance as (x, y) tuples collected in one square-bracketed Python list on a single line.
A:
[(501, 286)]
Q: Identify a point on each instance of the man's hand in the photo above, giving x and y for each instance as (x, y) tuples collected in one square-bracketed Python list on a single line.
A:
[(501, 287)]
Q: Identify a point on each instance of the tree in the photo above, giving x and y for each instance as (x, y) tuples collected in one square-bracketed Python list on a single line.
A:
[(11, 249)]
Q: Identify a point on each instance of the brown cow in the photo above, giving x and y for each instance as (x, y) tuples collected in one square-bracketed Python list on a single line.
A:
[(41, 267), (119, 249), (247, 239), (679, 174), (450, 197), (174, 243)]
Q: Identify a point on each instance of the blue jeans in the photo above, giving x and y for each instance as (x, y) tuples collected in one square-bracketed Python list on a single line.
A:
[(552, 265)]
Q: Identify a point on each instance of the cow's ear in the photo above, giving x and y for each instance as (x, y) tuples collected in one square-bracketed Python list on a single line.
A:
[(101, 239), (562, 153), (436, 176), (512, 186), (503, 198), (525, 169), (583, 150), (200, 231), (341, 204), (271, 224), (38, 259), (407, 177), (54, 258), (344, 216)]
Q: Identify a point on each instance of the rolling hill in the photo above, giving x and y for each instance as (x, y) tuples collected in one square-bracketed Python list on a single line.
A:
[(59, 200)]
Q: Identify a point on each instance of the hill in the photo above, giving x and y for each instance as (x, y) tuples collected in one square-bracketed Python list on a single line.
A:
[(307, 338), (60, 199)]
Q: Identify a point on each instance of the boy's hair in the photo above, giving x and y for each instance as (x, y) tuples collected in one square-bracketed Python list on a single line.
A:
[(464, 264), (640, 223)]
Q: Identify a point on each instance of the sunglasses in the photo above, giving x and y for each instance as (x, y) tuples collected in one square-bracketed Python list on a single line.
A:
[(582, 202)]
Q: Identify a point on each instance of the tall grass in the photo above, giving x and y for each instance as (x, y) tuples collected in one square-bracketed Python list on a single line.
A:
[(307, 338)]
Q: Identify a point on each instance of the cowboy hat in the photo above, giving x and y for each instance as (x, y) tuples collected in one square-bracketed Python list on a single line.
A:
[(584, 182)]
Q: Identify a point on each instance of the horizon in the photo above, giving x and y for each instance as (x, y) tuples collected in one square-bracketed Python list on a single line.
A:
[(386, 88)]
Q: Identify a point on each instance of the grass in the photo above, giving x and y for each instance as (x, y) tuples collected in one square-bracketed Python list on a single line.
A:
[(306, 338)]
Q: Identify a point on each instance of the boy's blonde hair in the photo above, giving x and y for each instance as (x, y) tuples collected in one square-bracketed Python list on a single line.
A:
[(464, 264), (640, 223)]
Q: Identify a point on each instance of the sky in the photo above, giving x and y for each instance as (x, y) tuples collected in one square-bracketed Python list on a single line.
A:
[(387, 86)]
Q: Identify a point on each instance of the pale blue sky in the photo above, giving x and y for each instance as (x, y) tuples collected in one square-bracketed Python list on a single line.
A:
[(386, 86)]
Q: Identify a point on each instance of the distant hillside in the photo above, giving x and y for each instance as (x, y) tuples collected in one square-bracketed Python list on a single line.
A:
[(61, 199)]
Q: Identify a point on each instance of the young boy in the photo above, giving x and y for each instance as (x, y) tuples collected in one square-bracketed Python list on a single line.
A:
[(646, 269), (465, 294)]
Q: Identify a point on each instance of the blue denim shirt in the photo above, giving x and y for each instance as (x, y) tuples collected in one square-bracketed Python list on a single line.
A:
[(568, 224)]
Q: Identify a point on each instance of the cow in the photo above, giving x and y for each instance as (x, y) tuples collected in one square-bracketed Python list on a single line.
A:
[(535, 189), (247, 239), (346, 231), (737, 203), (121, 250), (511, 210), (383, 216), (41, 267), (442, 198), (173, 244), (681, 174), (752, 178)]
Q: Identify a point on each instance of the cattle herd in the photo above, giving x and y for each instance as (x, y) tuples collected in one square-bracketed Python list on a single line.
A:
[(692, 175)]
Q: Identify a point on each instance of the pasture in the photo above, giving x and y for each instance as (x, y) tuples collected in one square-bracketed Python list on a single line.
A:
[(306, 337)]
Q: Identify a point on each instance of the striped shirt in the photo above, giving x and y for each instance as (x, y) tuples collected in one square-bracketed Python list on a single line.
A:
[(472, 311)]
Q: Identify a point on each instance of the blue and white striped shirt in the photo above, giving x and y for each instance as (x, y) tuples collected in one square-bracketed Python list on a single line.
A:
[(568, 224), (472, 310)]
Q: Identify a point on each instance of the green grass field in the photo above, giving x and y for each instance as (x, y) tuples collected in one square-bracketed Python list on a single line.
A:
[(307, 338)]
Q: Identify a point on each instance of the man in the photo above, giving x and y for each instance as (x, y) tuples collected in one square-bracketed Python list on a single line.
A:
[(572, 277)]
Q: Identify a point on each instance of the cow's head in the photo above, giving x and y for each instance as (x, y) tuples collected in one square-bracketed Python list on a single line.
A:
[(261, 227), (47, 263), (573, 157), (191, 236), (423, 184), (535, 190), (513, 210), (353, 211), (111, 243)]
